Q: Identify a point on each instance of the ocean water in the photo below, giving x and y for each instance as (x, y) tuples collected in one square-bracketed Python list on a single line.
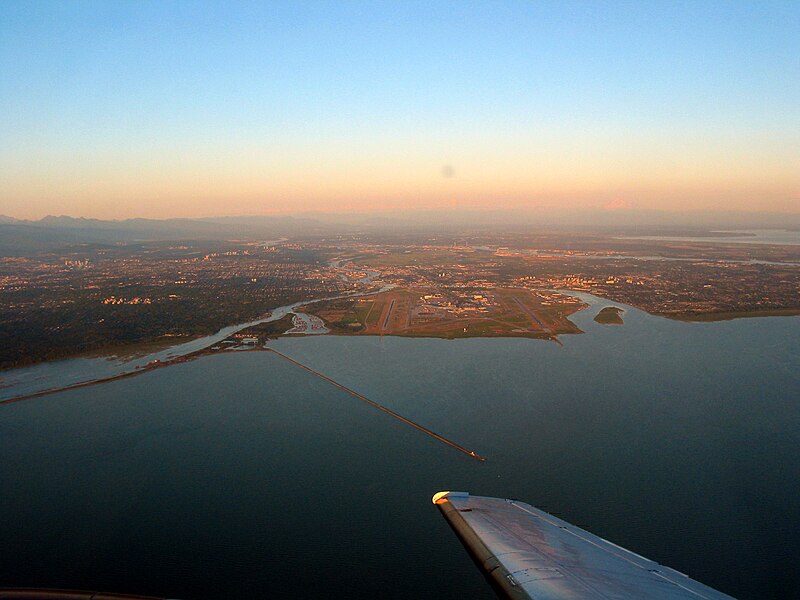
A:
[(748, 236), (241, 475)]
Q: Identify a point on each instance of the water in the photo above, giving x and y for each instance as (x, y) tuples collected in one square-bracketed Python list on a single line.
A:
[(749, 236), (241, 475), (306, 324), (72, 371), (627, 257)]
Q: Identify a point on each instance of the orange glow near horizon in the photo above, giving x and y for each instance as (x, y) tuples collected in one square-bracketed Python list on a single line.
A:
[(194, 184), (653, 109)]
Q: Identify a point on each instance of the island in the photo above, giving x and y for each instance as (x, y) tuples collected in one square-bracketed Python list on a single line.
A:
[(450, 312), (610, 315)]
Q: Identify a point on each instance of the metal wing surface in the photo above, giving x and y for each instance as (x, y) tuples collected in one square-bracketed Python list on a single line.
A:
[(526, 553)]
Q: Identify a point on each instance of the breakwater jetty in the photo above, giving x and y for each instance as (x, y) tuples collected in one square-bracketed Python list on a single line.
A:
[(401, 418)]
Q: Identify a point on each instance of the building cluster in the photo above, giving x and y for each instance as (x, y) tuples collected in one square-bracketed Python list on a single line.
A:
[(135, 300), (453, 303), (682, 286), (57, 303)]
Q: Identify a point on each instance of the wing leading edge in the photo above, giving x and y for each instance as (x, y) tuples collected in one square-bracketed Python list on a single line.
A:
[(526, 553)]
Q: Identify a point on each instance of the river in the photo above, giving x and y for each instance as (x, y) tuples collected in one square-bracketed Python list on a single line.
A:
[(61, 374)]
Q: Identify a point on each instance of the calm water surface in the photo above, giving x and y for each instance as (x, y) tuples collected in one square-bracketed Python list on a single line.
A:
[(241, 475), (750, 236)]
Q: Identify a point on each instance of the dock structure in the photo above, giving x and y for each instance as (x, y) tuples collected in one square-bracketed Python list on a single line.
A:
[(401, 418)]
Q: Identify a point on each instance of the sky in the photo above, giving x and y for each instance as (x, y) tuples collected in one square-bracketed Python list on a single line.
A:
[(180, 109)]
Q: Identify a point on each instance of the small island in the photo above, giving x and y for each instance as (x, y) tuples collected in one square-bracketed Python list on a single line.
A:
[(610, 315)]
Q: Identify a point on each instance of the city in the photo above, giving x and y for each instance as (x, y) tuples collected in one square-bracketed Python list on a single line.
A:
[(126, 297)]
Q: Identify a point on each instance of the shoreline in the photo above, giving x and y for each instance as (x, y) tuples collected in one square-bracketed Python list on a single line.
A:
[(145, 369), (139, 349), (139, 371), (236, 350), (120, 351), (713, 317)]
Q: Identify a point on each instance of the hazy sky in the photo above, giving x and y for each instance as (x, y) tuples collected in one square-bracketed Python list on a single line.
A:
[(119, 109)]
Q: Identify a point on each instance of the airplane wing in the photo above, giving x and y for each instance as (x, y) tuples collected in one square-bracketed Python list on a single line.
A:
[(526, 553)]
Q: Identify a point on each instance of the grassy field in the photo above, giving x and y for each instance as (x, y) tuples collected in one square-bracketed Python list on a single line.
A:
[(270, 328), (376, 308), (452, 313)]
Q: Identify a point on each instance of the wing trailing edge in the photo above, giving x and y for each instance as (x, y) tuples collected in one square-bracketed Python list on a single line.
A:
[(527, 554)]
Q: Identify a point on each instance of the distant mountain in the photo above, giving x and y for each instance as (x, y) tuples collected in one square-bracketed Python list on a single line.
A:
[(21, 237)]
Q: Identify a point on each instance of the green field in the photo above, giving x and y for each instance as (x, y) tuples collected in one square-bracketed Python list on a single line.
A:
[(375, 314), (271, 328)]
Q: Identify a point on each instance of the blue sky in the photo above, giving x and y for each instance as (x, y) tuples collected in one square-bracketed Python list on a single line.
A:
[(168, 108)]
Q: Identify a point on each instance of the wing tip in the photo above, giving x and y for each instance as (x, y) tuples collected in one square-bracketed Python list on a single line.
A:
[(441, 497)]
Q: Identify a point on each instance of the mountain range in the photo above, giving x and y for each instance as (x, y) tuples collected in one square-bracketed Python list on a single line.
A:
[(19, 237)]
